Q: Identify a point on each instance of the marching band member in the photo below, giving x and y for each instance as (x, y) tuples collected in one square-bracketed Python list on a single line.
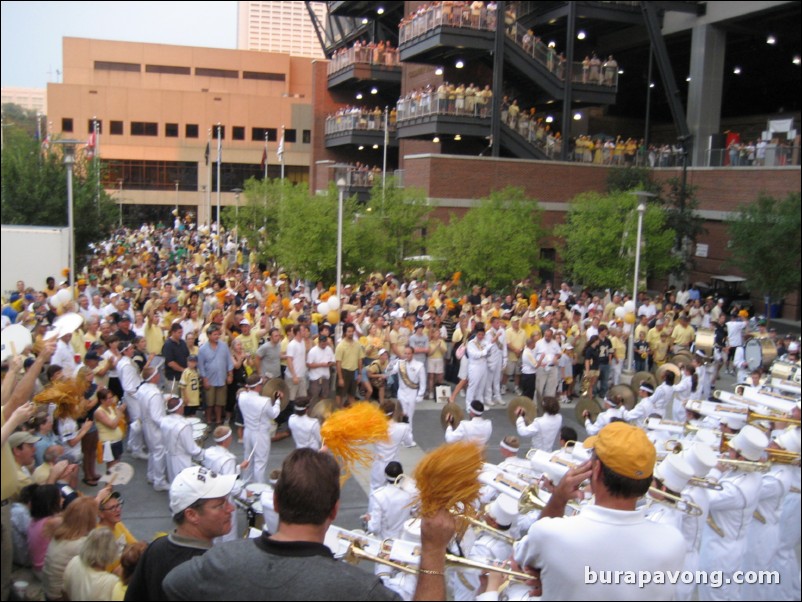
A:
[(544, 430), (475, 429), (412, 383), (258, 413), (613, 408), (219, 459), (664, 394), (151, 403), (477, 351), (644, 408), (706, 371), (701, 459), (305, 429), (683, 391), (398, 434), (389, 506), (130, 380), (178, 438), (731, 509), (496, 362), (672, 476)]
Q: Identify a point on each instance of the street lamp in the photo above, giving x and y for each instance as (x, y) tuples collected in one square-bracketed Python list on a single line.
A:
[(642, 198), (68, 147), (342, 183), (177, 183), (236, 192), (120, 200)]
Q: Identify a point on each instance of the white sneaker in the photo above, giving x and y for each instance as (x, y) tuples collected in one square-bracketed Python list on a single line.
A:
[(503, 389), (164, 487), (413, 444), (462, 393), (518, 391), (499, 402), (140, 455)]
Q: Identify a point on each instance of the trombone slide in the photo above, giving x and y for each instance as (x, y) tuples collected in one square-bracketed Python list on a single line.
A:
[(674, 501)]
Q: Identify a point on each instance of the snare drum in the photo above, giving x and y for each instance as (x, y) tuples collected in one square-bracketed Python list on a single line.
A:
[(253, 491), (706, 341), (760, 353), (199, 432)]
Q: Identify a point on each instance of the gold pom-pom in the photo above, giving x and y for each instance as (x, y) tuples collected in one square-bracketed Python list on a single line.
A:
[(456, 277), (347, 433), (448, 476), (67, 394)]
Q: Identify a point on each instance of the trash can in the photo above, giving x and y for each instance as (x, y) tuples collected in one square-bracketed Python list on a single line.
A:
[(776, 310)]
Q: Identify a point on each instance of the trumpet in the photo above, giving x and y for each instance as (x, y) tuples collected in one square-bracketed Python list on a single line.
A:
[(783, 456), (674, 502), (356, 554), (755, 417), (530, 500), (705, 483), (480, 524), (746, 465)]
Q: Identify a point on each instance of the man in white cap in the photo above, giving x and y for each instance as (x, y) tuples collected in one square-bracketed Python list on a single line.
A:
[(768, 543), (179, 439), (398, 433), (610, 535), (390, 505), (496, 362), (411, 384), (201, 510), (731, 509), (476, 429), (152, 405), (258, 413), (477, 350), (305, 429)]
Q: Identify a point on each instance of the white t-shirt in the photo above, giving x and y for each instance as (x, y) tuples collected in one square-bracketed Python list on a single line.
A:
[(318, 355), (297, 351), (572, 551)]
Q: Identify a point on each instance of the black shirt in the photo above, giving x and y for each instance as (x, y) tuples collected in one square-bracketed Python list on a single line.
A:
[(174, 352)]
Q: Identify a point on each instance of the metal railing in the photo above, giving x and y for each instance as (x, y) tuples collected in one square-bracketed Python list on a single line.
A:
[(448, 15), (423, 104), (592, 71), (377, 56), (748, 155), (358, 120)]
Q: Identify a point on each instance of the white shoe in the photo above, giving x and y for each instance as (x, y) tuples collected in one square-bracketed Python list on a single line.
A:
[(499, 402), (462, 393), (504, 389), (140, 455), (164, 487), (413, 444), (518, 391)]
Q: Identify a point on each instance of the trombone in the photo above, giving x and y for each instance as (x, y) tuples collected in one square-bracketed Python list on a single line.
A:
[(746, 465), (480, 524), (753, 416), (783, 456), (356, 553), (674, 502)]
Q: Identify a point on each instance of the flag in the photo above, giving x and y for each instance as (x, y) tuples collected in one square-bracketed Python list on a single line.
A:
[(206, 153), (90, 145), (280, 149), (264, 158), (46, 143)]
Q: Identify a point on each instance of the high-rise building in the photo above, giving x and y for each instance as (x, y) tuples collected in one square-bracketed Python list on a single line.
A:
[(279, 27), (33, 99)]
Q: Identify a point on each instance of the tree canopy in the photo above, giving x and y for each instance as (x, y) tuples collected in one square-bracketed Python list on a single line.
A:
[(600, 234), (766, 244)]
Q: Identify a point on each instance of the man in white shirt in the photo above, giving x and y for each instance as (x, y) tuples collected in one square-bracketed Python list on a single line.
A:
[(571, 556), (320, 361), (476, 429), (65, 356), (130, 380), (496, 362), (613, 408), (389, 506), (398, 433), (296, 363), (411, 384), (477, 350), (151, 403), (179, 439), (547, 356)]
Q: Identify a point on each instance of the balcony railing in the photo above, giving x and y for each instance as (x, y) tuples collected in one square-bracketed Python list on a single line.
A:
[(771, 155), (358, 120), (449, 15), (423, 104), (363, 55)]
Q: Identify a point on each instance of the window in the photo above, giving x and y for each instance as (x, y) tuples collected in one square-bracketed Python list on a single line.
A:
[(238, 133), (307, 136), (171, 130), (113, 66), (66, 124), (204, 71), (144, 128), (258, 134), (168, 69), (191, 130), (116, 128), (222, 129), (271, 77), (90, 126), (151, 175), (289, 135)]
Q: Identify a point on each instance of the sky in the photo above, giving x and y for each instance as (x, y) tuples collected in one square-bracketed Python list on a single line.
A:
[(32, 32)]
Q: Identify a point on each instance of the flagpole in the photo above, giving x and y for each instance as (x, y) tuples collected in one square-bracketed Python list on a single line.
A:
[(209, 177), (219, 158), (96, 129), (267, 160), (281, 152)]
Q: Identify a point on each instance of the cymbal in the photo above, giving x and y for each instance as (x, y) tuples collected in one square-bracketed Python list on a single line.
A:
[(456, 412), (642, 377), (589, 404), (273, 386), (668, 367), (530, 409), (681, 357), (322, 409), (624, 392)]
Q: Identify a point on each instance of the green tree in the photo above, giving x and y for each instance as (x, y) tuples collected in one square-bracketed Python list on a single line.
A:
[(766, 244), (257, 217), (600, 233), (34, 190), (494, 243), (389, 227), (682, 217), (626, 179), (25, 119)]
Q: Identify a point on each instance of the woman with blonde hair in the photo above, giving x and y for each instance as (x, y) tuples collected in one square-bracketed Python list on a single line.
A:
[(85, 577), (78, 520)]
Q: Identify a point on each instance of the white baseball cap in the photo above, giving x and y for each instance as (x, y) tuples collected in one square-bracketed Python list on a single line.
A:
[(198, 483)]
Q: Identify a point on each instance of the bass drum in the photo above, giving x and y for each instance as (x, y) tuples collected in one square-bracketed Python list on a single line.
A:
[(705, 341), (760, 353)]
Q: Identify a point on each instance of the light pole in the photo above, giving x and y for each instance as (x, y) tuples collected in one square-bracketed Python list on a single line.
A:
[(68, 147), (177, 183), (236, 192), (342, 183), (642, 198)]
